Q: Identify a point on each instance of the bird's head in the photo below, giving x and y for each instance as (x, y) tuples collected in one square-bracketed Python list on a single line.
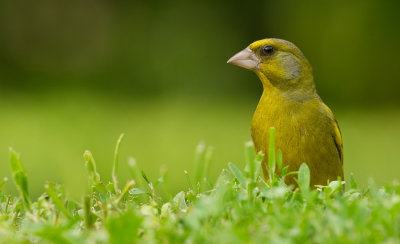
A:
[(278, 63)]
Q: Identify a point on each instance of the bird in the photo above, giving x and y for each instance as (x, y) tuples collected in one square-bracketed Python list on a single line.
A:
[(306, 129)]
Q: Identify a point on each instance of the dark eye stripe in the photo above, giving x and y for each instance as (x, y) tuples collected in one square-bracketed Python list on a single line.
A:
[(267, 50)]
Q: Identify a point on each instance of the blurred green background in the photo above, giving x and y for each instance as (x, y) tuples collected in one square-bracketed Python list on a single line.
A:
[(76, 74)]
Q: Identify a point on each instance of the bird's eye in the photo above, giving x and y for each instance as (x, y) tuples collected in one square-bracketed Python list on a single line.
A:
[(267, 50)]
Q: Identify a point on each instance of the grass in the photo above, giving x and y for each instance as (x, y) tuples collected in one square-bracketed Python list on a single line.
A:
[(239, 207), (53, 130)]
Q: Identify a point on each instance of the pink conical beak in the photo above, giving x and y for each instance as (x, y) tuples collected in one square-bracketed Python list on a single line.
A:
[(246, 59)]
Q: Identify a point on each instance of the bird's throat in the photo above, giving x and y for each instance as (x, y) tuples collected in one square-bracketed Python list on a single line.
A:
[(267, 85), (293, 92)]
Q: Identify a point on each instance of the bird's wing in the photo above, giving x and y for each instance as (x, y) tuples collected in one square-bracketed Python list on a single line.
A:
[(336, 134), (337, 137)]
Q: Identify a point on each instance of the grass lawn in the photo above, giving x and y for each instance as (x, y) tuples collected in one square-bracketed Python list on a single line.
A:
[(239, 207), (52, 132)]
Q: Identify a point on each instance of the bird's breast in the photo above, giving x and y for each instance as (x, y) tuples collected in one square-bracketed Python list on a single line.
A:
[(302, 134), (281, 114)]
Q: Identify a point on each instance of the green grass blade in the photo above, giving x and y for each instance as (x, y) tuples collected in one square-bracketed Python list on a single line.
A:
[(279, 160), (179, 201), (199, 161), (149, 183), (137, 191), (115, 164), (250, 155), (202, 160), (207, 162), (257, 162), (271, 153), (224, 178), (2, 183), (134, 171), (88, 215), (20, 178), (303, 178), (145, 177), (238, 174), (188, 180), (90, 165), (129, 185), (50, 190), (352, 182), (165, 181)]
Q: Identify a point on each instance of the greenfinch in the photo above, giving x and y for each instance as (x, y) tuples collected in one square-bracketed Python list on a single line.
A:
[(306, 130)]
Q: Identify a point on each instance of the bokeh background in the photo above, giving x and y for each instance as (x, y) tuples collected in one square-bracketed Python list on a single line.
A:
[(76, 74)]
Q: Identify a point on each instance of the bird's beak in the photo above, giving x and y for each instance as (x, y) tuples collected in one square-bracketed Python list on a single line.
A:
[(246, 59)]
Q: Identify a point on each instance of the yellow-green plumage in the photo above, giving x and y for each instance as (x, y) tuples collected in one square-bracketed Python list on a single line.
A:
[(306, 130)]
